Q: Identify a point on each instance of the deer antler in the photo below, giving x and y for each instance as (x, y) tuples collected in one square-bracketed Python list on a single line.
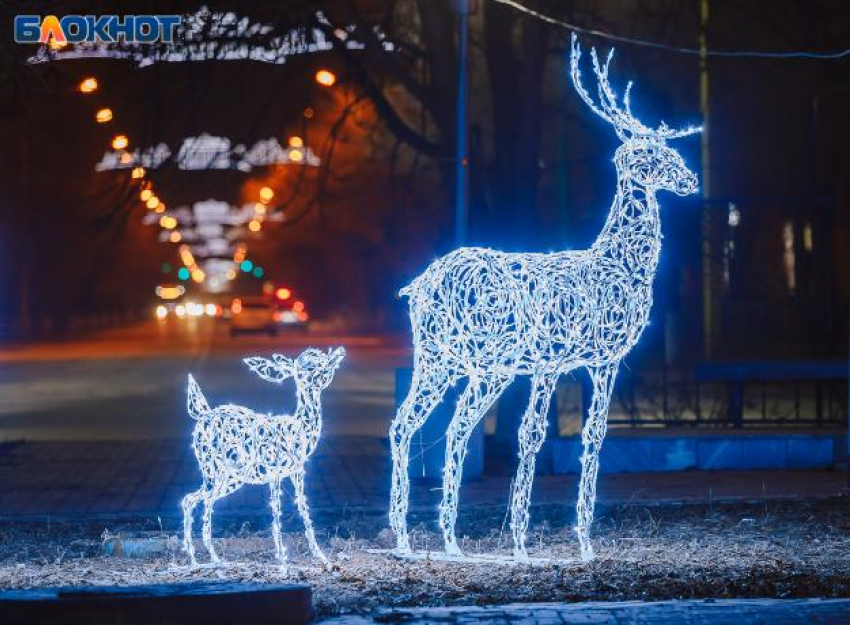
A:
[(626, 125)]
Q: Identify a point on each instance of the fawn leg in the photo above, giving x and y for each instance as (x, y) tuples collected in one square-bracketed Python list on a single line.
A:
[(207, 531), (279, 549), (304, 510), (532, 433), (474, 402), (190, 501), (426, 390), (591, 437)]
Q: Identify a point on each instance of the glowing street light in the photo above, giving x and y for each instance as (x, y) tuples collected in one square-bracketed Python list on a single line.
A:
[(88, 85), (254, 225), (145, 195), (296, 142), (103, 116), (198, 276), (152, 202), (175, 237), (259, 209), (138, 172), (119, 142), (325, 77), (296, 156), (168, 222), (266, 194)]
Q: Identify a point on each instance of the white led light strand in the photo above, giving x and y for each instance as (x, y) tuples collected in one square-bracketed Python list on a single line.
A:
[(489, 316), (206, 152), (237, 446), (218, 36)]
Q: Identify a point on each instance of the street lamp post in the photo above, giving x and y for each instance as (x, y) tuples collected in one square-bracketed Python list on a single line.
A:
[(462, 139)]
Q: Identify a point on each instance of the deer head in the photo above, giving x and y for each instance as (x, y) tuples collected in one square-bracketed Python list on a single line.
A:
[(312, 369), (644, 155)]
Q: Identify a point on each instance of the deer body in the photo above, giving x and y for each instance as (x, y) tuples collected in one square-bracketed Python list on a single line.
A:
[(488, 316), (557, 311), (259, 447), (235, 445)]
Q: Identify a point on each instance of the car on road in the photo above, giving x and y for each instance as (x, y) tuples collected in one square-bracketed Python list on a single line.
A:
[(252, 313)]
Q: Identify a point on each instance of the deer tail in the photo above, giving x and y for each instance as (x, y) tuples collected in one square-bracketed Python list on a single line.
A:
[(195, 401)]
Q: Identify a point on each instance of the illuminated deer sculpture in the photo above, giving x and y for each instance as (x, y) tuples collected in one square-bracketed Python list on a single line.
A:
[(237, 446), (489, 316)]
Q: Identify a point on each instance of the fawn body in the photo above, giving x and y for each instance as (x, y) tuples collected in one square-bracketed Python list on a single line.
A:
[(236, 446)]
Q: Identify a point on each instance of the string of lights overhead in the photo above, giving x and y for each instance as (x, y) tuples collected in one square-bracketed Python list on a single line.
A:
[(213, 273), (205, 151), (793, 54)]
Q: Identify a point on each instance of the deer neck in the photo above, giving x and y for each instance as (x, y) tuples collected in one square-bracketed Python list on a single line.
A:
[(632, 233), (309, 415)]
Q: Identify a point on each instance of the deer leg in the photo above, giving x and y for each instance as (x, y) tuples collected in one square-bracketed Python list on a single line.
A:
[(207, 528), (304, 510), (591, 437), (275, 496), (476, 400), (532, 433), (426, 391), (190, 501)]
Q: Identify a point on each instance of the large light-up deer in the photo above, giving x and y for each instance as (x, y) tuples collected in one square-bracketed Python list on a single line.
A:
[(489, 316), (237, 446)]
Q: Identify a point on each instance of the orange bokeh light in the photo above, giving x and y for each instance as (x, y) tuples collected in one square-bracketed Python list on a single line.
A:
[(88, 85), (325, 77)]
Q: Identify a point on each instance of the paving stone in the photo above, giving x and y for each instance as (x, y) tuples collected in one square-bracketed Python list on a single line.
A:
[(151, 478), (727, 611)]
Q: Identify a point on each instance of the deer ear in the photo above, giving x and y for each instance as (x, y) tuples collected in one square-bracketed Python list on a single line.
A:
[(266, 369), (336, 355), (285, 364)]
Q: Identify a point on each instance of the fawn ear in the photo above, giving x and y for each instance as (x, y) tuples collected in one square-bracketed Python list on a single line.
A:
[(266, 369), (336, 355), (284, 364)]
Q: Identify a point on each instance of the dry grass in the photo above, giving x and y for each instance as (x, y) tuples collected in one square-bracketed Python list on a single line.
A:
[(775, 549)]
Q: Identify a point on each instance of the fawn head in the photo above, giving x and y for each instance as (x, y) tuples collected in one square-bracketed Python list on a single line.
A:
[(644, 155), (312, 368)]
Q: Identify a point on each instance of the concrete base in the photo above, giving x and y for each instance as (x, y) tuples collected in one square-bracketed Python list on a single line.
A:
[(207, 603)]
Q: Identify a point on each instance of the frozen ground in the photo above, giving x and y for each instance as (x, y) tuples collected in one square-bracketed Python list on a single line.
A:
[(769, 549)]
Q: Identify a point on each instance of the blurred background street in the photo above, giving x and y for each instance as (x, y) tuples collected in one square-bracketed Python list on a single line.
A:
[(130, 382)]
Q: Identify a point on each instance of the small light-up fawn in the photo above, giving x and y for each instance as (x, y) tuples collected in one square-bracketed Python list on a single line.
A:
[(488, 316), (237, 446)]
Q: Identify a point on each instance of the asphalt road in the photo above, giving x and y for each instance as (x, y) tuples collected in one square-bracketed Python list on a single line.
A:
[(130, 383)]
